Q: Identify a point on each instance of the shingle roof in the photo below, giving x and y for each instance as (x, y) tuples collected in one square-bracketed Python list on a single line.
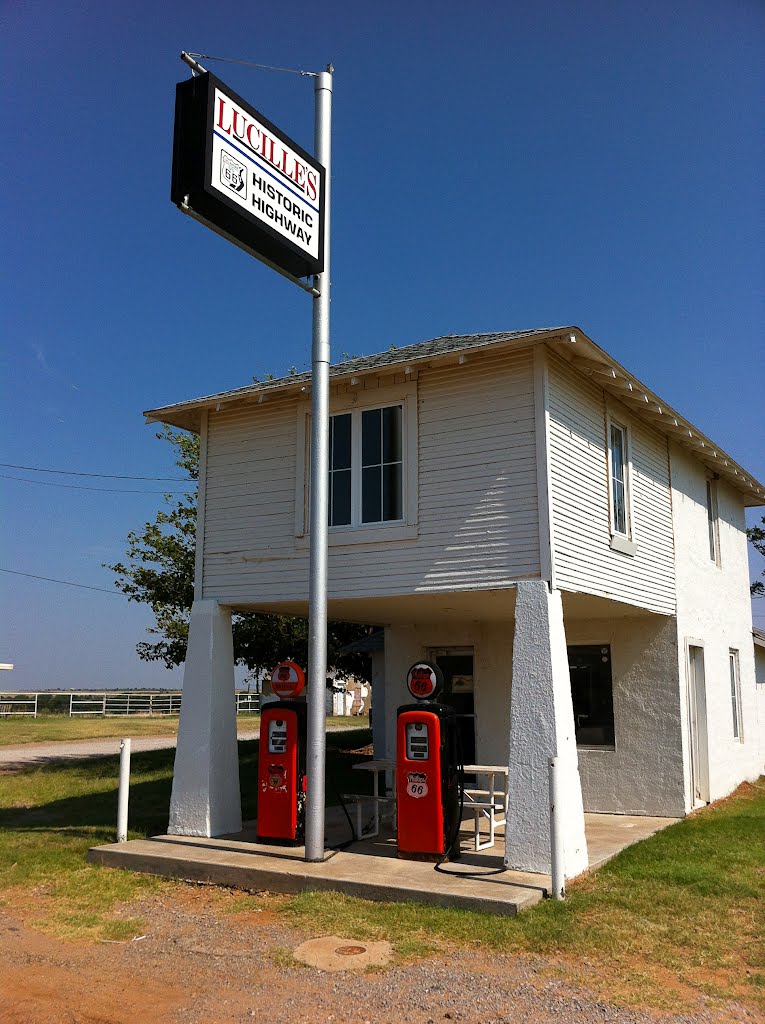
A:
[(586, 355), (363, 364)]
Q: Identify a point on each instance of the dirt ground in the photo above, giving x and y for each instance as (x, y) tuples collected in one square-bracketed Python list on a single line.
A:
[(199, 963)]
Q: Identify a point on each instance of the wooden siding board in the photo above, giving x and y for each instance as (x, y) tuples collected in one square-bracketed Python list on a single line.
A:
[(585, 561), (477, 502)]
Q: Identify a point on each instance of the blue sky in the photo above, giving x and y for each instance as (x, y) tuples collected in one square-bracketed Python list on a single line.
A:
[(495, 167)]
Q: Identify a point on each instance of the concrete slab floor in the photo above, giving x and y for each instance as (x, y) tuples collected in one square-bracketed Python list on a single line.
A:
[(369, 868)]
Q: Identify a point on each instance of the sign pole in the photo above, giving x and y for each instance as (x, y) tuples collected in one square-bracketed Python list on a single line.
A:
[(317, 592)]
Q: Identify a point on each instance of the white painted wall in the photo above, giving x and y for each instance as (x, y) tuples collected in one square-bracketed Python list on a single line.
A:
[(583, 558), (713, 609), (477, 513), (492, 645), (542, 728), (644, 773)]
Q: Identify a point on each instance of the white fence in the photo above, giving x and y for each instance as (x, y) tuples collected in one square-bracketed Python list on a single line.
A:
[(107, 703), (18, 704)]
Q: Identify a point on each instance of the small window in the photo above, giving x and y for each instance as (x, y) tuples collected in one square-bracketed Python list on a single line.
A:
[(366, 467), (735, 695), (712, 523), (592, 694), (619, 478)]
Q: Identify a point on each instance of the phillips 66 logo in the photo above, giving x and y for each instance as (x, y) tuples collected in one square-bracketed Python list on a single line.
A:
[(416, 784)]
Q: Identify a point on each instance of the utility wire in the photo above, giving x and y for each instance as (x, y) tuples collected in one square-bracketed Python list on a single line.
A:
[(66, 583), (104, 476), (84, 487), (252, 64)]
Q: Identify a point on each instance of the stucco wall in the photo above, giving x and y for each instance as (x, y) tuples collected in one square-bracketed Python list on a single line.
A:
[(714, 611), (644, 773), (493, 655)]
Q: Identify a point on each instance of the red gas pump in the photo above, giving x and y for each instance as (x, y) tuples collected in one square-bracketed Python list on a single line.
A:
[(427, 770), (281, 758)]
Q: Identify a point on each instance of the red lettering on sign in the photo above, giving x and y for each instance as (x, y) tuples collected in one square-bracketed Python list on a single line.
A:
[(221, 108)]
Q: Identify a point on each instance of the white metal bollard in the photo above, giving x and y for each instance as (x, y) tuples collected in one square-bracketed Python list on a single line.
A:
[(124, 791), (558, 879)]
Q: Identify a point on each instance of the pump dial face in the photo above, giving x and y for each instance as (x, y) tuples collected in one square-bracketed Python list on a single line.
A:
[(424, 681)]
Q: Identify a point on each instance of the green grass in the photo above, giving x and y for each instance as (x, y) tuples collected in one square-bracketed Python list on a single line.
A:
[(50, 728), (670, 919), (49, 817)]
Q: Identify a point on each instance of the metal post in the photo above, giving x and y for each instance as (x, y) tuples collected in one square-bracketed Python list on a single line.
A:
[(124, 791), (557, 872), (317, 594)]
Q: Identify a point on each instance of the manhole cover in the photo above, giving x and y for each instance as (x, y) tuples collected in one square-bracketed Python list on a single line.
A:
[(341, 953)]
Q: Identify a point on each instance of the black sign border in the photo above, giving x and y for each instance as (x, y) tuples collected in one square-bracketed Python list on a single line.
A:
[(192, 172)]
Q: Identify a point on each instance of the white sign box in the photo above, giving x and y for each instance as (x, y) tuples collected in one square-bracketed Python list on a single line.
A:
[(239, 172)]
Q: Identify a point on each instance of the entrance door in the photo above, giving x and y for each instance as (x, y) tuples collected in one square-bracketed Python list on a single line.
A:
[(456, 663), (697, 725)]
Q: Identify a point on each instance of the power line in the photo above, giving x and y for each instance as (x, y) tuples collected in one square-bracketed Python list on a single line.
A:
[(104, 476), (84, 487), (66, 583)]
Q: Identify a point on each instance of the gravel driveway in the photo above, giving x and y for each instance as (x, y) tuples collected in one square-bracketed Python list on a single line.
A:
[(201, 964)]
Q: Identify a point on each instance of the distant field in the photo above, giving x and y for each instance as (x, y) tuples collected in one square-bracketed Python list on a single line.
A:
[(49, 728)]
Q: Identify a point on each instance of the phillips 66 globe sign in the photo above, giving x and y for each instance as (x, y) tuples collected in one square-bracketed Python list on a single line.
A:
[(239, 173)]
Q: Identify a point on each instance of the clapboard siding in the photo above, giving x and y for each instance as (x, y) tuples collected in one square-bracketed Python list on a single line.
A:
[(584, 560), (477, 512)]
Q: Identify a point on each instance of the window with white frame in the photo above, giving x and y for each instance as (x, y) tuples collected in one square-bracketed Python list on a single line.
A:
[(366, 467), (735, 695), (619, 467), (712, 523)]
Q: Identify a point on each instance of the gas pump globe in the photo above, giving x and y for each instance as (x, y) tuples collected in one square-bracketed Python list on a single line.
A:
[(427, 770)]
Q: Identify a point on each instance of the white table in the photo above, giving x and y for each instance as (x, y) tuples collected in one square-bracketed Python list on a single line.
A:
[(489, 803), (379, 767)]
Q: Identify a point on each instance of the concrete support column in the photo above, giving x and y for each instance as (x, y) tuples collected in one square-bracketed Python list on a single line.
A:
[(205, 799), (541, 727)]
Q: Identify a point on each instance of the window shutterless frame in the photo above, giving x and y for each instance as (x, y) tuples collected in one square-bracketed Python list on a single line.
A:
[(367, 478), (713, 527), (735, 695), (393, 466), (618, 472), (619, 461)]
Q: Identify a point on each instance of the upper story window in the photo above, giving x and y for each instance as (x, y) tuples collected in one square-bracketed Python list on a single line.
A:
[(712, 522), (619, 471), (372, 466), (735, 695), (366, 467)]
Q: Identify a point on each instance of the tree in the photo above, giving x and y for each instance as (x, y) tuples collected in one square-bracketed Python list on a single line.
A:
[(756, 535), (159, 571)]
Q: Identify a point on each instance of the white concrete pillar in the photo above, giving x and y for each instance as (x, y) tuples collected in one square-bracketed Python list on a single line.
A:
[(541, 727), (205, 799)]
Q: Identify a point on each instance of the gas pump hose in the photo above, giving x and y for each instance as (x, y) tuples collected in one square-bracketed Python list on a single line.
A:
[(439, 865)]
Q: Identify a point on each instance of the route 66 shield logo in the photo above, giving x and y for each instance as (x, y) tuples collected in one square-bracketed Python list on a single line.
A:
[(233, 173), (416, 785)]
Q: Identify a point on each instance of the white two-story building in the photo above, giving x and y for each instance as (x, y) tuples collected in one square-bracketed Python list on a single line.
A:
[(520, 508)]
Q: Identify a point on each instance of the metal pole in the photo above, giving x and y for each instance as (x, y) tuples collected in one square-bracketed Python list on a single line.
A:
[(558, 877), (317, 592), (124, 791)]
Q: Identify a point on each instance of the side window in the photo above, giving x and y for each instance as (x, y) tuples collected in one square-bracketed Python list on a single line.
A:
[(712, 522), (735, 695), (619, 479), (592, 694)]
